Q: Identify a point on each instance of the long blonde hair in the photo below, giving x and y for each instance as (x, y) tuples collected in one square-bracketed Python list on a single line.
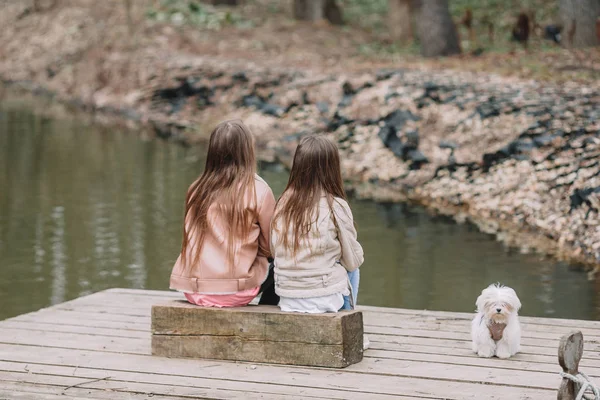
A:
[(315, 172), (227, 183)]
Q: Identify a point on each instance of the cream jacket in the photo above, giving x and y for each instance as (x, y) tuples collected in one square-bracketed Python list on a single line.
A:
[(321, 263)]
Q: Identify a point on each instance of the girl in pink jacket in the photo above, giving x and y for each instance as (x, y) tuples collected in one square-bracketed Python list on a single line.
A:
[(228, 211)]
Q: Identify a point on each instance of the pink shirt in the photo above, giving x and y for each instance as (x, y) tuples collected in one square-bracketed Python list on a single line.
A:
[(238, 299)]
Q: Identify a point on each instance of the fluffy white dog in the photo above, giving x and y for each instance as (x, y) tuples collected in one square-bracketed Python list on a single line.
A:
[(495, 330)]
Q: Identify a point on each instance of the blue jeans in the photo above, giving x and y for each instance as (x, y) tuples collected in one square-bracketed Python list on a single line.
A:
[(354, 278)]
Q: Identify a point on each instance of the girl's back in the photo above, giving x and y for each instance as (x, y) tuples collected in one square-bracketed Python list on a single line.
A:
[(215, 270), (313, 238), (319, 265), (226, 231)]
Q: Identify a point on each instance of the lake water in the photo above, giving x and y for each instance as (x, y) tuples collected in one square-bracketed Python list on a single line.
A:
[(84, 208)]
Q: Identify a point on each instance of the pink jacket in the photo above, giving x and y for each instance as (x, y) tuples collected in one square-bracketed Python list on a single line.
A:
[(210, 275)]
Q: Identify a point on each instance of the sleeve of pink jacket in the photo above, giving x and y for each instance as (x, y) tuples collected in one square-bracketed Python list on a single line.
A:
[(265, 214), (352, 252)]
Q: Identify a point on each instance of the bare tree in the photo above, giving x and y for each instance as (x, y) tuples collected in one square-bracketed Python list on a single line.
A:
[(399, 20), (437, 32), (580, 20)]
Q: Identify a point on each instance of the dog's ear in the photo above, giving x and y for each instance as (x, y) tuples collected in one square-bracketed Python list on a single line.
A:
[(480, 303), (514, 299)]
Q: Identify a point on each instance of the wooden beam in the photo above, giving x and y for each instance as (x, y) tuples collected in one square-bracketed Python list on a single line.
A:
[(257, 334)]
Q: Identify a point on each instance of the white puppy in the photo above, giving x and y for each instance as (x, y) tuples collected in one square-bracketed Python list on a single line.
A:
[(495, 330)]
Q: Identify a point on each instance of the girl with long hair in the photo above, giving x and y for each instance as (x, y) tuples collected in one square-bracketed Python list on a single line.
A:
[(313, 238), (228, 211)]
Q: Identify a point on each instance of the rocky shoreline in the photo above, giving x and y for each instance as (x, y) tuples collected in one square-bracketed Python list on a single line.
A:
[(520, 159)]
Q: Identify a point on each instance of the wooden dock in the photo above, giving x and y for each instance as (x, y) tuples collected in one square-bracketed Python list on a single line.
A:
[(98, 347)]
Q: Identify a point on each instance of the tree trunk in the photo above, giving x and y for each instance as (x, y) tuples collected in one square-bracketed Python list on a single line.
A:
[(579, 20), (333, 12), (437, 32), (309, 10), (399, 20)]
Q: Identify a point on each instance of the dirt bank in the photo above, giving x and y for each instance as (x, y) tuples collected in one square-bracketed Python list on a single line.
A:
[(519, 158)]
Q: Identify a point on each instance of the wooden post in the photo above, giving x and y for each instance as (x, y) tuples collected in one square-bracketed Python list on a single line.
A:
[(570, 351), (257, 334)]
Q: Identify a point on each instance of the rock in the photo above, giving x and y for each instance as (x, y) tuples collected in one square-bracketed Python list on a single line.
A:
[(398, 118), (240, 77), (580, 196), (488, 110), (322, 107), (543, 140), (345, 102), (252, 100), (384, 75), (412, 137), (417, 159), (447, 144), (337, 121), (272, 109), (522, 146), (348, 90), (391, 140)]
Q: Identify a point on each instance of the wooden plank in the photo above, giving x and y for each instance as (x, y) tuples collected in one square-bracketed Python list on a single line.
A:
[(469, 356), (257, 334), (382, 342), (98, 388), (239, 349), (386, 333), (469, 316), (464, 326), (46, 315), (58, 327), (68, 318), (76, 341), (453, 360), (351, 381), (179, 385)]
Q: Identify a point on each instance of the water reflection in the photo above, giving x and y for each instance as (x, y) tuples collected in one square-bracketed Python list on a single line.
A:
[(84, 209)]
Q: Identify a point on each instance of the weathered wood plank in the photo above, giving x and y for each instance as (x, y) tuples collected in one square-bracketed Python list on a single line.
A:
[(35, 326), (257, 334), (364, 383), (178, 385), (468, 316), (47, 314), (105, 385), (66, 318), (75, 341)]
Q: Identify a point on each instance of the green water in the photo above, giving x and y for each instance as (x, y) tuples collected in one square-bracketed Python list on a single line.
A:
[(84, 208)]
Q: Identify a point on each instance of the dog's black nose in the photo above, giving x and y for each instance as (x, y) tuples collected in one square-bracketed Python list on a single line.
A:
[(498, 310)]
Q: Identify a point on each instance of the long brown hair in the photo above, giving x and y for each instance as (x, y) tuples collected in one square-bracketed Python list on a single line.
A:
[(315, 172), (227, 183)]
